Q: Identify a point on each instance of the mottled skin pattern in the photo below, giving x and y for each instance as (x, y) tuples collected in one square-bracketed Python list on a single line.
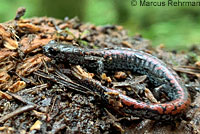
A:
[(136, 61)]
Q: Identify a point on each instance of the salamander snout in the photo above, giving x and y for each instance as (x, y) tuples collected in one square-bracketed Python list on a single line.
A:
[(61, 52), (50, 50), (53, 49)]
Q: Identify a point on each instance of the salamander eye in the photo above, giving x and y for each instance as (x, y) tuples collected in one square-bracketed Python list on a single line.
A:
[(52, 52)]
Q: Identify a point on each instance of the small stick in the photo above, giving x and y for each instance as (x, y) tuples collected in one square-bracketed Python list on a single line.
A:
[(36, 88), (15, 96), (16, 112)]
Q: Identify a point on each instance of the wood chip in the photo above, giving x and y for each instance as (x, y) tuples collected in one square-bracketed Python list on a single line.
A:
[(5, 95), (83, 73), (150, 95), (197, 64), (31, 43), (9, 130), (31, 64), (5, 54), (36, 125), (4, 77), (19, 85), (73, 34), (28, 28), (40, 114), (3, 32), (5, 81), (10, 44), (127, 44), (104, 77), (7, 40), (120, 75)]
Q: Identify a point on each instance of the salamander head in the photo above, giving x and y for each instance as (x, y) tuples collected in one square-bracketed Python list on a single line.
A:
[(62, 52)]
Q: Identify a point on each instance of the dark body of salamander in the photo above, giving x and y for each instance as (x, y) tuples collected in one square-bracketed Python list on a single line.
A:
[(136, 61)]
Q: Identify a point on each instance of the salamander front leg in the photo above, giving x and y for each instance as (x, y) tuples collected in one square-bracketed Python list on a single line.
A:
[(100, 67), (96, 63)]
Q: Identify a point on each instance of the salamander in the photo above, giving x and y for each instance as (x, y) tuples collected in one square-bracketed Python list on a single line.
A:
[(134, 60)]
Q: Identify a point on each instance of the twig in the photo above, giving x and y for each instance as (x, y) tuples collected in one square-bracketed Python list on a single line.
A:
[(68, 84), (15, 96), (16, 112), (20, 12), (21, 99), (28, 90)]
